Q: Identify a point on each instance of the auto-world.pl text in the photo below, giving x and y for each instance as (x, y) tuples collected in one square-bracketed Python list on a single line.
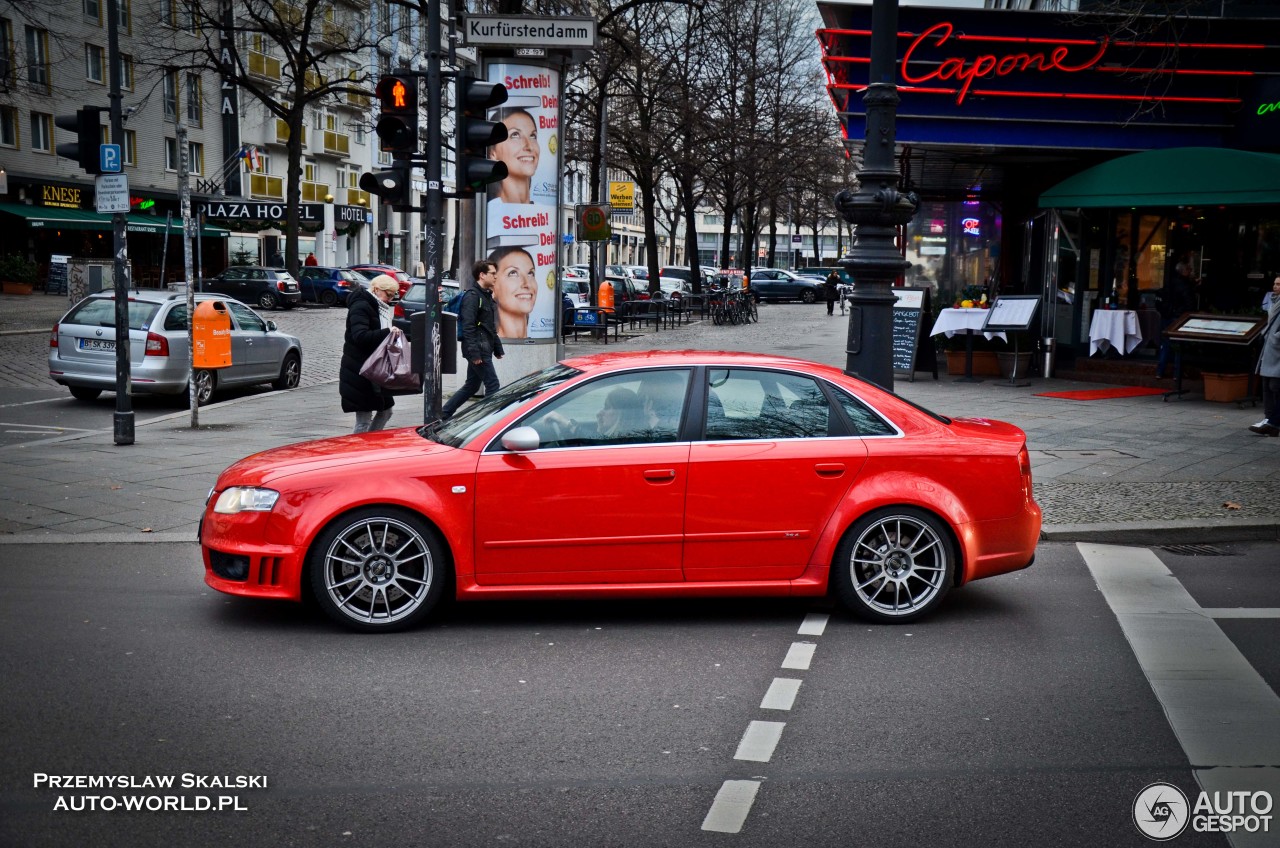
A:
[(122, 799)]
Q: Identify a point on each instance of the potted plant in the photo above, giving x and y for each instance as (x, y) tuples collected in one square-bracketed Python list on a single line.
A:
[(17, 274)]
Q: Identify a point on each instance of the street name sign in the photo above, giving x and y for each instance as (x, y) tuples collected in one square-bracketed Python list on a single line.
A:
[(519, 31)]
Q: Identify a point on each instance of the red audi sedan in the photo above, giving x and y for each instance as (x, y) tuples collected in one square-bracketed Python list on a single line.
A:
[(698, 474)]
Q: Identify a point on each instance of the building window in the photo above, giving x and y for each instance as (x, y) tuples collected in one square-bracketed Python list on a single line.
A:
[(309, 171), (8, 126), (92, 10), (130, 151), (41, 132), (171, 154), (94, 62), (122, 15), (126, 72), (171, 95), (195, 158), (6, 51), (195, 103), (38, 57)]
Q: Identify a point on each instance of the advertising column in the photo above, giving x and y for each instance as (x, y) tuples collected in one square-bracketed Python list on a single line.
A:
[(520, 216)]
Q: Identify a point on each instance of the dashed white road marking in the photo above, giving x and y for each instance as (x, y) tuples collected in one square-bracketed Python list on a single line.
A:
[(732, 804), (799, 656), (814, 624), (1224, 714), (781, 695), (759, 741)]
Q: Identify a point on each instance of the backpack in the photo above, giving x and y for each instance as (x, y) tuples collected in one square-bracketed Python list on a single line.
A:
[(454, 307)]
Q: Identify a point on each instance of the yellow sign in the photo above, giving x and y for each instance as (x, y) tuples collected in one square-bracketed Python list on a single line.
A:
[(622, 196)]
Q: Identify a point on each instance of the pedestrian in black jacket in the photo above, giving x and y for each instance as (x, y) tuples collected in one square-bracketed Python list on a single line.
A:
[(369, 316), (478, 328)]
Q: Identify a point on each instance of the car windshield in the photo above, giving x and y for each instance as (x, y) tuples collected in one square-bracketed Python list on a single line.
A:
[(101, 312), (469, 423), (417, 291)]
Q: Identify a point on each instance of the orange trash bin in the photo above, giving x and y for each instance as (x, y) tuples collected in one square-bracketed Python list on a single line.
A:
[(604, 297), (211, 335)]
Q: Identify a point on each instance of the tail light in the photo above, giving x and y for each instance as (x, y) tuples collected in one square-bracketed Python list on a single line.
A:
[(1024, 467), (53, 336), (398, 311), (157, 345), (282, 285)]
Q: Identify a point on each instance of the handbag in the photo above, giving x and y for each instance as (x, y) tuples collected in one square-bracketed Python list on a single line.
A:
[(389, 365)]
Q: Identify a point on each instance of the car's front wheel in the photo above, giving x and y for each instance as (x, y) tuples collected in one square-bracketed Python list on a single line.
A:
[(268, 300), (807, 296), (290, 373), (377, 569), (894, 565)]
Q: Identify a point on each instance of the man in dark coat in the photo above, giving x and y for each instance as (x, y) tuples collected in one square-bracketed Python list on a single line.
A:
[(365, 331), (831, 288), (478, 328)]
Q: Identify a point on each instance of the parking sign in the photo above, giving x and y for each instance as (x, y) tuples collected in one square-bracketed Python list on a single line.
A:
[(111, 193), (109, 158)]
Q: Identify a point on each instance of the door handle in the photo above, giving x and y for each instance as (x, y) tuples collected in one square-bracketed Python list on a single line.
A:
[(829, 469), (659, 475)]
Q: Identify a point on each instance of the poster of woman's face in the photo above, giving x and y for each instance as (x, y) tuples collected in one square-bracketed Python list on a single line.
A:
[(520, 219)]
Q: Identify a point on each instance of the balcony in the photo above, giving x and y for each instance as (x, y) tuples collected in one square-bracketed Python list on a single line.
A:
[(263, 66), (335, 144), (282, 133), (314, 192), (266, 186), (314, 80), (360, 101), (332, 34), (356, 197), (288, 13)]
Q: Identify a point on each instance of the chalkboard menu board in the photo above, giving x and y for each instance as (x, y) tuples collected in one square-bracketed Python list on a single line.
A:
[(57, 282), (908, 312)]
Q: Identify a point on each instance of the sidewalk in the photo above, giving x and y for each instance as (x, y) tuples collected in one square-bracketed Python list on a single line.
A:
[(1132, 470)]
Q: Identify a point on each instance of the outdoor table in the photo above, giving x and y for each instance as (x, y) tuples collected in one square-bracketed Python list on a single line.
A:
[(1114, 328), (969, 322)]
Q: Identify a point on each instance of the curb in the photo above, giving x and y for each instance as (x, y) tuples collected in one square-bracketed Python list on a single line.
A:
[(1187, 531)]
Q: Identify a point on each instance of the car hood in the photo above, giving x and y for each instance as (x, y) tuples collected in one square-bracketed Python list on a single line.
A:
[(387, 446)]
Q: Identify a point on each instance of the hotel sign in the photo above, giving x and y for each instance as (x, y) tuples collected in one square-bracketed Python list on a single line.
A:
[(308, 213)]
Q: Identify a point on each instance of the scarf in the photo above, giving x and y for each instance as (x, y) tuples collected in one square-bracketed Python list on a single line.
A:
[(385, 313)]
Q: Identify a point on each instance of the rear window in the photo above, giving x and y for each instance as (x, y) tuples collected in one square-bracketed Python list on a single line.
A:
[(101, 312), (417, 291)]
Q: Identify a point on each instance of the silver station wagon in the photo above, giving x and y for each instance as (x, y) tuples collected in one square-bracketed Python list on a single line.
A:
[(82, 348)]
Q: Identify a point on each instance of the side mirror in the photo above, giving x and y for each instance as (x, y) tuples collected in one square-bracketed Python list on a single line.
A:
[(521, 440), (271, 326)]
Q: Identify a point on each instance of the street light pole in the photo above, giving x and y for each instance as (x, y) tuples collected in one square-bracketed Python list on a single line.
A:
[(876, 210)]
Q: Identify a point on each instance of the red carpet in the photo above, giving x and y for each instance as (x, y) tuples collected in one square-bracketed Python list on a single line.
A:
[(1104, 394)]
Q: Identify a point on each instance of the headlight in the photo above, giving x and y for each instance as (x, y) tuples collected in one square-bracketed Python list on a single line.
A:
[(245, 499)]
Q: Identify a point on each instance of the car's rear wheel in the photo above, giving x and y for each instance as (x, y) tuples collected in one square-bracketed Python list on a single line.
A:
[(203, 383), (290, 373), (894, 565), (377, 569), (328, 298), (268, 300), (807, 296), (85, 393)]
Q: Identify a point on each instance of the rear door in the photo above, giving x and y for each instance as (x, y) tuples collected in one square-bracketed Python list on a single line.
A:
[(765, 282)]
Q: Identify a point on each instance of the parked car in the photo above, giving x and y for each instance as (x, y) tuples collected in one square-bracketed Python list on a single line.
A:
[(684, 272), (329, 286), (779, 284), (578, 290), (268, 288), (415, 300), (373, 270), (822, 272), (637, 277), (882, 504), (82, 348)]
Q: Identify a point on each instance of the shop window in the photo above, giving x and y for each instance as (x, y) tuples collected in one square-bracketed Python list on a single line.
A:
[(8, 126), (41, 132), (94, 62)]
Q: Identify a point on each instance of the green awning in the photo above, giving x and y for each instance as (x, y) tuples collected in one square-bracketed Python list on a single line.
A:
[(1180, 176), (54, 218)]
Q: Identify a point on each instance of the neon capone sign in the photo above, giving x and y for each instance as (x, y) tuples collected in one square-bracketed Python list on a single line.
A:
[(986, 64)]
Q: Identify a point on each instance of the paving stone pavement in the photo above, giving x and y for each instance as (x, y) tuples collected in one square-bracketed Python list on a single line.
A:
[(1137, 470)]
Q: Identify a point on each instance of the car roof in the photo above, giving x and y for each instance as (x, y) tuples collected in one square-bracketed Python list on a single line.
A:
[(156, 296), (665, 358)]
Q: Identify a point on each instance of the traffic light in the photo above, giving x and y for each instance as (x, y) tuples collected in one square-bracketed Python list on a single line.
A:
[(394, 186), (475, 134), (88, 129), (397, 125)]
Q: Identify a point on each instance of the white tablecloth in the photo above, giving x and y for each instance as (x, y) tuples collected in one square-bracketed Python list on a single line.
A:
[(952, 321), (1114, 328)]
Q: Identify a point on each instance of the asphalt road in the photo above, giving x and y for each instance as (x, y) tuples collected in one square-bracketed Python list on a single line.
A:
[(1020, 715)]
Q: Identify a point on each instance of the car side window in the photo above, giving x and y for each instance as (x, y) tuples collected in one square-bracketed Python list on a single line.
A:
[(177, 317), (865, 422), (761, 404), (635, 408), (246, 318)]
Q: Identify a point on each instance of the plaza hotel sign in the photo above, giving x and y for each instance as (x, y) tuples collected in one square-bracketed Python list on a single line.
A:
[(239, 210)]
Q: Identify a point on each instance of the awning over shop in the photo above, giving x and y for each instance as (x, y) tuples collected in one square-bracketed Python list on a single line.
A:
[(1180, 176), (53, 218)]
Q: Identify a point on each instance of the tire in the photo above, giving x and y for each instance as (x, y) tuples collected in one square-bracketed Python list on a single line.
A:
[(328, 297), (290, 373), (85, 393), (753, 312), (268, 300), (808, 296), (894, 566), (204, 382), (377, 570)]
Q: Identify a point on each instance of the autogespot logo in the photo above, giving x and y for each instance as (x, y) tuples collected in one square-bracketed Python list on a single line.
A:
[(1160, 811)]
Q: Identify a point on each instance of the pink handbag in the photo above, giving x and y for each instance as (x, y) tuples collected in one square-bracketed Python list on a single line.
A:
[(389, 365)]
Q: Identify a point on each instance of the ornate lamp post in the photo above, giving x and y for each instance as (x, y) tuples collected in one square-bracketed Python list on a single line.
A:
[(876, 209)]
